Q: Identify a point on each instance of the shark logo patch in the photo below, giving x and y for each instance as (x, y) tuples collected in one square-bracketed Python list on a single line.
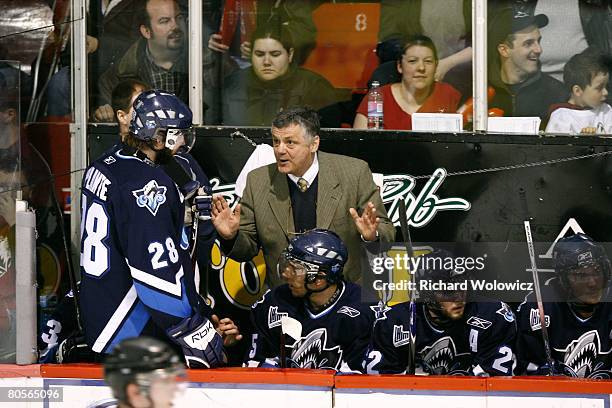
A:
[(581, 354), (311, 352), (439, 358)]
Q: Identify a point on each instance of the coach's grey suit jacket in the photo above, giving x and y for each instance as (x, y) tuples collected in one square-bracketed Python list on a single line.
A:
[(266, 219)]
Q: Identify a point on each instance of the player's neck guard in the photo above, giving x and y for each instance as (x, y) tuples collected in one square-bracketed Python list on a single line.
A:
[(330, 301), (583, 310)]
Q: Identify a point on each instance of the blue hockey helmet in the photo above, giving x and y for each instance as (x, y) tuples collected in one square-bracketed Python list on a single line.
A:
[(577, 252), (441, 275), (316, 253), (161, 115)]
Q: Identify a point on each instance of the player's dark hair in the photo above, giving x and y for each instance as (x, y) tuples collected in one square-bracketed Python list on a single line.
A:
[(421, 40), (134, 142), (122, 94), (303, 116), (582, 68)]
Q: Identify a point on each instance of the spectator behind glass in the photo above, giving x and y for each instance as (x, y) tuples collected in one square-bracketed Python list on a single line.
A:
[(254, 95), (586, 76), (574, 26), (158, 58), (416, 92), (224, 55), (521, 89), (447, 22)]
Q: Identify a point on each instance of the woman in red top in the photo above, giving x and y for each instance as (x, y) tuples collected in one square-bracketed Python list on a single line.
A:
[(417, 91)]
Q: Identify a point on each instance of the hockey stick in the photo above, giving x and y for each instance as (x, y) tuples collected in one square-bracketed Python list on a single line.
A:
[(410, 367), (536, 284)]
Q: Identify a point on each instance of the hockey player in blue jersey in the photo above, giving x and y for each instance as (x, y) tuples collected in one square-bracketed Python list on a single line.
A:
[(578, 315), (61, 328), (136, 274), (453, 335), (326, 326)]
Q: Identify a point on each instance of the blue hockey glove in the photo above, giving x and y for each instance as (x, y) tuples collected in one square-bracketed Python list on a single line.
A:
[(190, 188), (201, 344), (558, 368), (202, 204)]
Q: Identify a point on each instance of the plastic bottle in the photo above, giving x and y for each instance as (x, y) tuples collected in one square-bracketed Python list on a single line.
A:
[(375, 107)]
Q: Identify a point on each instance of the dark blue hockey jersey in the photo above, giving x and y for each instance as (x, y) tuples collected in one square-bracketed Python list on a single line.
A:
[(335, 338), (136, 276), (481, 342), (580, 347)]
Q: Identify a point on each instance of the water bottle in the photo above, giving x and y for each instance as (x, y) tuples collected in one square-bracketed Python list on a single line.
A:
[(375, 107)]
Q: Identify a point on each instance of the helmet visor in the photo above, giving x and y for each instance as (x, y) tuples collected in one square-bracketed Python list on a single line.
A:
[(289, 267)]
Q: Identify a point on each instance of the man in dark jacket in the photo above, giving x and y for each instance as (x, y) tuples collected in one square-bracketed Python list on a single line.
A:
[(158, 59), (521, 89)]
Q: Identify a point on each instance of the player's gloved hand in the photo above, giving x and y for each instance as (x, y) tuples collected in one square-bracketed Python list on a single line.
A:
[(74, 349), (558, 368), (202, 203), (201, 344), (190, 188)]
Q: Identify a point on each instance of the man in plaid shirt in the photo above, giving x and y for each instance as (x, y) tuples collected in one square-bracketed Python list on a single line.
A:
[(157, 59)]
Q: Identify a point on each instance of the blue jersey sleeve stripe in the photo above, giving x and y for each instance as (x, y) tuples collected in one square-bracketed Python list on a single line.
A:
[(132, 326), (163, 302)]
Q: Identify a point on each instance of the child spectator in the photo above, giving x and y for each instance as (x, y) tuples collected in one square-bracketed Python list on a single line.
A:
[(586, 112)]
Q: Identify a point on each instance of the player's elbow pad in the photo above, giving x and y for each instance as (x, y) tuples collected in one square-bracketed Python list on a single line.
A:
[(201, 344)]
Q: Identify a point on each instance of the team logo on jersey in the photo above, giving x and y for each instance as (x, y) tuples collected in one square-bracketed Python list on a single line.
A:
[(311, 352), (506, 312), (151, 196), (400, 336), (109, 160), (479, 322), (274, 317), (534, 320), (349, 311), (581, 354), (439, 358), (380, 310)]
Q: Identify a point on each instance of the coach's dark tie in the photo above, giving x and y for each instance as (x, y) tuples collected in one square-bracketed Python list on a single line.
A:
[(302, 184)]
